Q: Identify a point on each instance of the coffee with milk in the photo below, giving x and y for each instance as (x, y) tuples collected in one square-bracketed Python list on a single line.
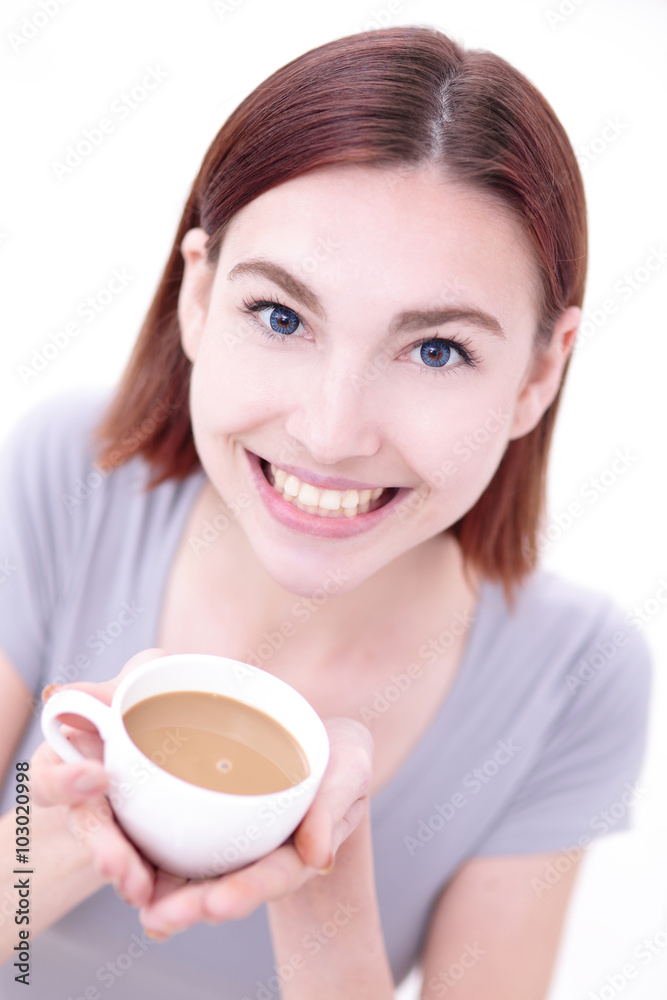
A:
[(216, 742)]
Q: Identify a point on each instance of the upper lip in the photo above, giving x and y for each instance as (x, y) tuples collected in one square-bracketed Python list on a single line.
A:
[(324, 482)]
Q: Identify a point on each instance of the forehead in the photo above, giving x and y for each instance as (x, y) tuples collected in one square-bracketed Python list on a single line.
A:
[(410, 232)]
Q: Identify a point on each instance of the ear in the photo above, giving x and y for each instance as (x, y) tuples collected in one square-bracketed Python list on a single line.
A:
[(195, 293), (544, 375)]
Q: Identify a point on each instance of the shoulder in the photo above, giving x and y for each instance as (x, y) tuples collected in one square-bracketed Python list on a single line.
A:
[(557, 612), (57, 432), (55, 491), (47, 453), (53, 458), (574, 642), (594, 654), (549, 598)]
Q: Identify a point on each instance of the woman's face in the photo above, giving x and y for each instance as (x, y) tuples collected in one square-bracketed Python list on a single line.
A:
[(364, 329)]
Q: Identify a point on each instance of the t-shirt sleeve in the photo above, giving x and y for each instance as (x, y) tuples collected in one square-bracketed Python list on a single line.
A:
[(38, 464), (584, 781)]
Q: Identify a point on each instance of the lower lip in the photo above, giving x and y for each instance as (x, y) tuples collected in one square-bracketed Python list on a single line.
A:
[(312, 524)]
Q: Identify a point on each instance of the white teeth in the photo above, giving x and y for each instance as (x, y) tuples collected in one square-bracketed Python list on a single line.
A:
[(279, 477), (309, 495), (325, 503), (330, 499), (292, 486)]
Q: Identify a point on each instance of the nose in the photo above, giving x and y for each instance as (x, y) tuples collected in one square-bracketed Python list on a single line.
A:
[(334, 418)]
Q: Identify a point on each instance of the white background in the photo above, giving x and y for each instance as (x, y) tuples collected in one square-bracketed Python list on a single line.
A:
[(60, 240)]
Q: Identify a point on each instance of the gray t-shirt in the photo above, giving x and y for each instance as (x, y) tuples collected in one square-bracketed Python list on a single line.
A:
[(536, 747)]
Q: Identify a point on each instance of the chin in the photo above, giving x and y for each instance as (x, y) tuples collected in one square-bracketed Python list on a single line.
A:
[(314, 581), (310, 574)]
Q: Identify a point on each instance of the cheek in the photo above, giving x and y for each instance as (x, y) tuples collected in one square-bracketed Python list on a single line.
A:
[(461, 469), (226, 395), (212, 405)]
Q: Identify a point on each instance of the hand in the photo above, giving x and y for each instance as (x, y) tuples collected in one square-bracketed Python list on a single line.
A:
[(170, 904)]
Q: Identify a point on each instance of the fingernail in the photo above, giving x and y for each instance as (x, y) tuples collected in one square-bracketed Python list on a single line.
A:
[(88, 781), (49, 690), (329, 867), (165, 933), (156, 936)]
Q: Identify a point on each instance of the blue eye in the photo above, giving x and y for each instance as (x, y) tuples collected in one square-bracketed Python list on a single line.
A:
[(281, 319), (435, 353), (439, 353)]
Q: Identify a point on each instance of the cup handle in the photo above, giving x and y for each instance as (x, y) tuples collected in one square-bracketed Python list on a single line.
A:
[(73, 703)]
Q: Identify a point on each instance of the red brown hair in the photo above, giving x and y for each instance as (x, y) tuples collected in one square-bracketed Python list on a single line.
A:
[(386, 98)]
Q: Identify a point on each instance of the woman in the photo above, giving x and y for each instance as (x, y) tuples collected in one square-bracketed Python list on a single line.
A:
[(327, 457)]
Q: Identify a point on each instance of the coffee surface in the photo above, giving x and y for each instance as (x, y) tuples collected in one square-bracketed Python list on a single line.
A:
[(216, 742)]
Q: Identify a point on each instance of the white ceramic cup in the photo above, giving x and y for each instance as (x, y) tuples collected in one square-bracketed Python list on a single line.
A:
[(180, 827)]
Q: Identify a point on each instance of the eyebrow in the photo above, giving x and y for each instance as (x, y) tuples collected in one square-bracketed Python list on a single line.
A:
[(410, 320)]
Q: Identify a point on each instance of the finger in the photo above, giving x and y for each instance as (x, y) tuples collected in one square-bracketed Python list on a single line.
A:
[(113, 856), (169, 912), (331, 817), (235, 896), (165, 884), (56, 783), (314, 837), (229, 897), (88, 743)]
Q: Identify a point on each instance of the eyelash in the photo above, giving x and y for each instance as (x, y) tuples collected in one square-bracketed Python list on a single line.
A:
[(464, 347)]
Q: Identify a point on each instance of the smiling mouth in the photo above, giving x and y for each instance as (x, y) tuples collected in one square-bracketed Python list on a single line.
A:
[(324, 502)]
